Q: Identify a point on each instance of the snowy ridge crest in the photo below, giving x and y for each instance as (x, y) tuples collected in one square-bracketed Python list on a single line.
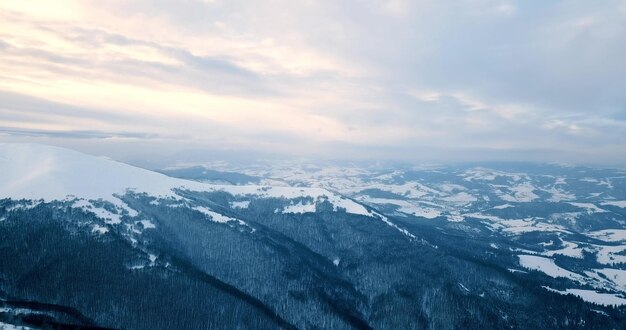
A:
[(47, 173)]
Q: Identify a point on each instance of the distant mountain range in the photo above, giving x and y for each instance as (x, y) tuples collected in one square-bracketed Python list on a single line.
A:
[(88, 241)]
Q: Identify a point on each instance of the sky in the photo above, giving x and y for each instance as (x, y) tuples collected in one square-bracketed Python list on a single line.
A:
[(414, 81)]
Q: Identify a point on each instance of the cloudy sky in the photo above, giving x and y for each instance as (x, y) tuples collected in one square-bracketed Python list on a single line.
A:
[(417, 81)]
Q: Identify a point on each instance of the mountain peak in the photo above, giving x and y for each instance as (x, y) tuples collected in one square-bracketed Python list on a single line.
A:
[(41, 172)]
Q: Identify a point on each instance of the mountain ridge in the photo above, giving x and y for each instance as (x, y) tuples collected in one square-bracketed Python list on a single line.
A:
[(181, 254)]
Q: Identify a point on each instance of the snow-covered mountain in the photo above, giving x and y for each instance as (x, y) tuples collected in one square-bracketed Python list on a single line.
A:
[(562, 221), (88, 241), (44, 173), (39, 173)]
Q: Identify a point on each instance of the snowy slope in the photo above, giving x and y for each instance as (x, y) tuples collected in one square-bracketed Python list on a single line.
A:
[(30, 171), (38, 172)]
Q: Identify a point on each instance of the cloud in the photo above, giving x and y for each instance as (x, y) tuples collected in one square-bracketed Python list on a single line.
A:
[(412, 80), (68, 134), (25, 105)]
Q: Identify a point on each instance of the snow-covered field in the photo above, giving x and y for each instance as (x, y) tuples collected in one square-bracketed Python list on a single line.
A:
[(605, 299), (548, 267)]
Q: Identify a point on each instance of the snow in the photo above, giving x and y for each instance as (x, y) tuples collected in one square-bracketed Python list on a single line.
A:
[(425, 212), (300, 208), (147, 224), (484, 174), (517, 226), (8, 326), (605, 299), (405, 206), (591, 208), (109, 217), (34, 172), (387, 221), (607, 183), (608, 255), (31, 171), (560, 181), (318, 194), (43, 173), (455, 217), (28, 205), (123, 206), (461, 197), (451, 187), (600, 312), (609, 235), (240, 204), (99, 229), (548, 267), (82, 204), (347, 204), (521, 193), (479, 174), (152, 258), (409, 189), (621, 204), (513, 270), (481, 216), (617, 276), (559, 195), (521, 226), (216, 216), (570, 250)]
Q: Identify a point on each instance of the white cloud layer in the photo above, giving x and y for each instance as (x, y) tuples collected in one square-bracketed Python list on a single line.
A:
[(400, 80)]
